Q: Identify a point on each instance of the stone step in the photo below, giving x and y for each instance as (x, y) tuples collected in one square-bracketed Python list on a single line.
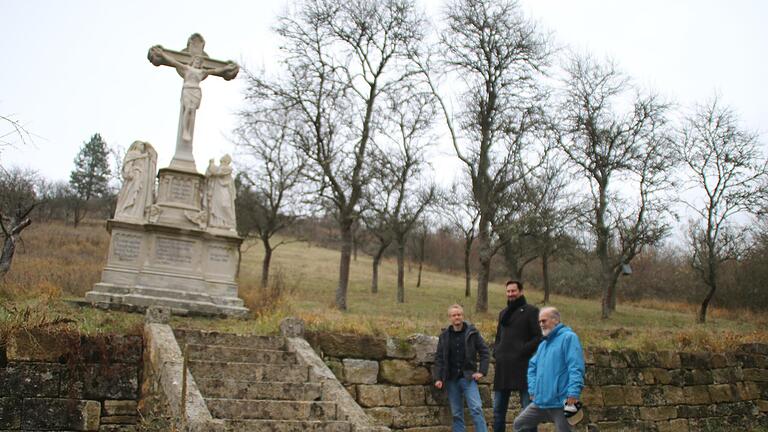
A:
[(227, 388), (286, 426), (241, 409), (229, 339), (243, 355), (248, 371), (181, 306)]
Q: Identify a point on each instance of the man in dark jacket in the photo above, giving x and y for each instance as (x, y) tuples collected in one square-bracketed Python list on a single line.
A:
[(517, 337), (459, 348)]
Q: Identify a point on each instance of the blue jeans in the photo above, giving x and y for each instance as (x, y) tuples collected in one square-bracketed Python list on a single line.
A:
[(500, 406), (458, 390)]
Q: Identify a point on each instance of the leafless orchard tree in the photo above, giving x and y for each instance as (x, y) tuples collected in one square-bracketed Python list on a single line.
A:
[(270, 180), (493, 54), (728, 172), (459, 210), (17, 200), (338, 58), (624, 155)]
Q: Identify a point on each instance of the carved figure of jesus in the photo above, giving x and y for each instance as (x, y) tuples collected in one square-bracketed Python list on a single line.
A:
[(191, 94)]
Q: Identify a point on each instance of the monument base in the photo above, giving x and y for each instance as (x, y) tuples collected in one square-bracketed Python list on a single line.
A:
[(187, 270)]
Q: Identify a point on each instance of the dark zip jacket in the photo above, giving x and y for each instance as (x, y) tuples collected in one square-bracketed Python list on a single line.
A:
[(475, 350)]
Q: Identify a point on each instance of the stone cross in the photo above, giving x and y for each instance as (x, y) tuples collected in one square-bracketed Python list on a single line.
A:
[(193, 65)]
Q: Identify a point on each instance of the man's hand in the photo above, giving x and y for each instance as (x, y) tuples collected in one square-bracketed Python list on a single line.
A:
[(439, 384), (569, 401), (476, 376)]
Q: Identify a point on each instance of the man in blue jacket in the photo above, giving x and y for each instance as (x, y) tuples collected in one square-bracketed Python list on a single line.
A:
[(555, 374), (459, 350)]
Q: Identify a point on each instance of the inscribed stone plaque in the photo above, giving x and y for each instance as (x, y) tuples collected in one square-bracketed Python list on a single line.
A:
[(126, 247), (173, 252), (181, 190), (221, 259)]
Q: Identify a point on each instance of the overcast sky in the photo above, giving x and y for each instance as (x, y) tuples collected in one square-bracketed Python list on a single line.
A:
[(74, 68)]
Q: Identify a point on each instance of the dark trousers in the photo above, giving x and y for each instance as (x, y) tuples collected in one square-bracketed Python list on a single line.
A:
[(501, 404)]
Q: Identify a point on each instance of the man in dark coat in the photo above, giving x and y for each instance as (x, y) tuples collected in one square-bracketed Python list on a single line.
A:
[(517, 336), (460, 348)]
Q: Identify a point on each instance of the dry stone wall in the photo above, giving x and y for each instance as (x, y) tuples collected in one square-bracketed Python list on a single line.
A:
[(64, 382), (625, 390)]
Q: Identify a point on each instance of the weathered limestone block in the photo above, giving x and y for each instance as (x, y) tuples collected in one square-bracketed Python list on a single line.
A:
[(696, 395), (669, 360), (695, 360), (647, 359), (721, 393), (589, 357), (759, 375), (613, 395), (30, 379), (101, 381), (591, 396), (697, 376), (673, 395), (718, 360), (676, 425), (424, 347), (656, 376), (633, 395), (614, 413), (602, 357), (111, 349), (378, 395), (727, 375), (755, 348), (617, 359), (119, 407), (405, 417), (349, 345), (360, 371), (403, 373), (10, 413), (400, 348), (747, 390), (412, 395), (60, 414), (431, 429), (653, 396), (658, 413), (762, 405), (124, 419), (380, 416), (693, 411)]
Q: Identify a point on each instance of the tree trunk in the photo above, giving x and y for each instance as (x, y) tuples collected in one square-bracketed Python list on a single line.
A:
[(375, 273), (265, 263), (467, 269), (484, 272), (545, 275), (601, 250), (344, 264), (9, 245), (401, 271), (711, 281), (422, 241)]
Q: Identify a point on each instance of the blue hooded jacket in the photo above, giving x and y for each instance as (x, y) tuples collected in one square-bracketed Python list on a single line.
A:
[(556, 371)]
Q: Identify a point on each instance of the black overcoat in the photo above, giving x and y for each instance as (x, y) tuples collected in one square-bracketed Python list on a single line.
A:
[(516, 342)]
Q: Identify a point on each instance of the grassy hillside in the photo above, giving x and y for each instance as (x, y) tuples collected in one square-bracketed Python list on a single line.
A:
[(57, 262)]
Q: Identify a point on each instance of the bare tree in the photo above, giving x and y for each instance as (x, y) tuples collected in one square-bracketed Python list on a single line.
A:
[(617, 153), (458, 208), (728, 172), (17, 199), (269, 182), (494, 54), (339, 57)]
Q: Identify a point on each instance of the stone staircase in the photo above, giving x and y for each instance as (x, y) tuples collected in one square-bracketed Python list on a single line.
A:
[(253, 383)]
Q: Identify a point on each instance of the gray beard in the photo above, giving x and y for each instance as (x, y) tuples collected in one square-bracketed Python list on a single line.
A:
[(546, 333)]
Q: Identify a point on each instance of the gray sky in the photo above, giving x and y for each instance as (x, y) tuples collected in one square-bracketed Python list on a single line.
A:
[(74, 68)]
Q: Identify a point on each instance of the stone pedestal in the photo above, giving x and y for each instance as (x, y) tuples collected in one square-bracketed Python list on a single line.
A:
[(172, 260)]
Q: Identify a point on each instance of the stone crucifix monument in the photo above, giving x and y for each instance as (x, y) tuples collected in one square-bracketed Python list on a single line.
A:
[(175, 245)]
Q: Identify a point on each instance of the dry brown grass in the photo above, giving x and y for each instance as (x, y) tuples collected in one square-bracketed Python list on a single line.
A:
[(56, 260)]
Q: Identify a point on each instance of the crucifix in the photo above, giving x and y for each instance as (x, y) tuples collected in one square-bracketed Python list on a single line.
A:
[(193, 65)]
